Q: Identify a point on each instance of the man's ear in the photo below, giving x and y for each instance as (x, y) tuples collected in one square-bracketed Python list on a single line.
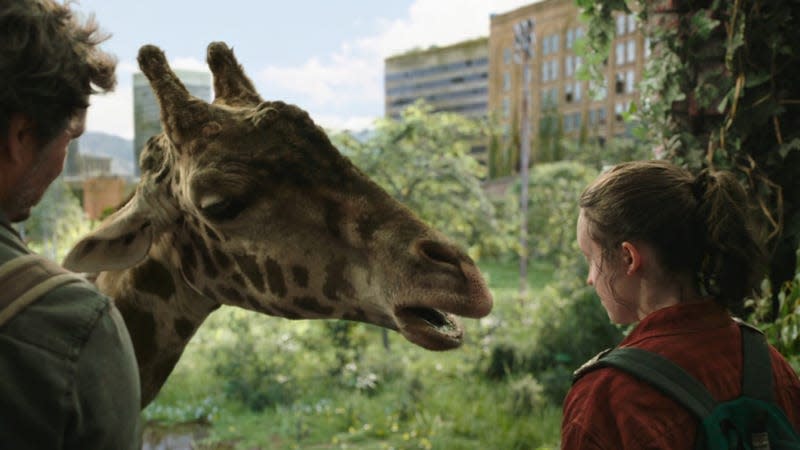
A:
[(631, 257), (20, 141)]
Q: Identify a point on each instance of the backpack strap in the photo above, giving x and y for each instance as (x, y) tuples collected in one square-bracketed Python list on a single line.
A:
[(10, 239), (661, 373), (673, 381), (756, 364), (26, 278)]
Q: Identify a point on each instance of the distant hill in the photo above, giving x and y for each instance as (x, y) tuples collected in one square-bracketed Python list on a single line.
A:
[(119, 149)]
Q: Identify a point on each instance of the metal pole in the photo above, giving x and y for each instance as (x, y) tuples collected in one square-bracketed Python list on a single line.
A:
[(524, 41)]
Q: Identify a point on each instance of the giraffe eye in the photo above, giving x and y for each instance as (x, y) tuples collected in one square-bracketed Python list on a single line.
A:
[(220, 208)]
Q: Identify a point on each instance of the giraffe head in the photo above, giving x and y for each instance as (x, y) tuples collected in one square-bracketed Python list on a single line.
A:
[(248, 203)]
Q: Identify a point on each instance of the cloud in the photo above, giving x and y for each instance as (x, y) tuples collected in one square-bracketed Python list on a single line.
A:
[(343, 89), (349, 81)]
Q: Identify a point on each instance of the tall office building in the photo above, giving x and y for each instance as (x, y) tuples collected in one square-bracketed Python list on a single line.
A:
[(146, 113), (558, 99), (452, 78)]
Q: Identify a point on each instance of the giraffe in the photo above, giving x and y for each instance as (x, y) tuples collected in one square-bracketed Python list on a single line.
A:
[(246, 202)]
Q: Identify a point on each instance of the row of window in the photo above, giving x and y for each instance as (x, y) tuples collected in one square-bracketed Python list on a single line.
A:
[(573, 93), (551, 43), (413, 89), (435, 98), (443, 68)]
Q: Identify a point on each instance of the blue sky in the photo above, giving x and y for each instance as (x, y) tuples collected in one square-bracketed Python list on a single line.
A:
[(324, 56)]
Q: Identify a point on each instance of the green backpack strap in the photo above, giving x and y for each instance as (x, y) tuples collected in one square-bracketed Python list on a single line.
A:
[(661, 373), (25, 279), (673, 381), (756, 364)]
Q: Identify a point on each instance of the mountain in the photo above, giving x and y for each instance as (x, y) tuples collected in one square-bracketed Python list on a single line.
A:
[(119, 149)]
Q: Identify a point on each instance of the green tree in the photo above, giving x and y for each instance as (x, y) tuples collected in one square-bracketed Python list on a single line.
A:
[(423, 160), (56, 223), (721, 91)]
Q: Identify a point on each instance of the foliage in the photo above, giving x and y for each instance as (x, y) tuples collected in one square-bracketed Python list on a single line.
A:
[(57, 222), (721, 91), (421, 399), (563, 328), (423, 160), (614, 151), (784, 331), (552, 207)]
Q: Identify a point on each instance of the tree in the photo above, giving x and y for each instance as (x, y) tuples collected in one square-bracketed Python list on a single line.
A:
[(57, 222), (423, 160), (721, 91)]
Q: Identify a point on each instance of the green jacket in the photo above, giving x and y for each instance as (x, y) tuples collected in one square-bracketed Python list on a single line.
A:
[(68, 375)]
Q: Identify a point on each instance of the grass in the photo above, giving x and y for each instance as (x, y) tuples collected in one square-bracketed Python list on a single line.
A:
[(421, 399)]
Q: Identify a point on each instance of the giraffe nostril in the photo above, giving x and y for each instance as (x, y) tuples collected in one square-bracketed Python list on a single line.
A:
[(439, 253)]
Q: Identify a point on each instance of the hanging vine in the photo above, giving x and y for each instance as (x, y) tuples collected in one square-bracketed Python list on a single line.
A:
[(721, 90)]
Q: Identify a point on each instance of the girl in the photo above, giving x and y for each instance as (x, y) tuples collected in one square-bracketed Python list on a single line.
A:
[(677, 254)]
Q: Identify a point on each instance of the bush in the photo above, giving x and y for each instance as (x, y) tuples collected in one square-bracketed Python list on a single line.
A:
[(554, 189), (784, 331), (562, 329), (525, 396)]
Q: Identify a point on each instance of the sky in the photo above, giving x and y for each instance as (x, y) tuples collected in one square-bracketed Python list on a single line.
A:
[(323, 56)]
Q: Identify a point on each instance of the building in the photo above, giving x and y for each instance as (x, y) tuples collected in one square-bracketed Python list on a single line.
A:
[(453, 78), (146, 113), (103, 193), (559, 101)]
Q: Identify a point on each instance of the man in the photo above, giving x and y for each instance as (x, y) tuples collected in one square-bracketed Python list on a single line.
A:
[(68, 375)]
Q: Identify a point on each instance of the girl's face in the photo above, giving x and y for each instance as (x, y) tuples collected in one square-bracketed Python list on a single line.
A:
[(604, 276)]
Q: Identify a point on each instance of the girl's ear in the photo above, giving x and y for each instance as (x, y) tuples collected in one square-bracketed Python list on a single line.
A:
[(631, 257)]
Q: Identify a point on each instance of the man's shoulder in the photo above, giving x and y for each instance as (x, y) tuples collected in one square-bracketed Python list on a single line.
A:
[(60, 321)]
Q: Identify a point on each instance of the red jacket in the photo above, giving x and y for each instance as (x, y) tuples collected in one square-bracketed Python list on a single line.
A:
[(608, 409)]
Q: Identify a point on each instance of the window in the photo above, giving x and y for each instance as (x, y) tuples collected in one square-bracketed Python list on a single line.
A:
[(506, 81), (545, 72), (647, 47), (630, 81), (619, 108), (528, 74), (621, 19), (506, 107), (578, 91), (567, 122), (506, 56), (631, 50), (555, 43), (619, 83), (601, 115), (620, 53), (568, 95), (631, 23), (570, 37), (569, 67), (554, 69)]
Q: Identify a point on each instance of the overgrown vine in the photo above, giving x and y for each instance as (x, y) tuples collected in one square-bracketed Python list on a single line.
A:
[(721, 90)]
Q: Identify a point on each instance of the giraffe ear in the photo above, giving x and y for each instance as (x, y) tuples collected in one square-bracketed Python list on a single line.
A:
[(120, 242)]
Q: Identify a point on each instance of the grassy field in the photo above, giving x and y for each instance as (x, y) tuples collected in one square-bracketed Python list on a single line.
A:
[(401, 398)]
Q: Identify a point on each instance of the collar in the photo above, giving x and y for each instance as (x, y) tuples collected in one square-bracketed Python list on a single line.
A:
[(5, 222), (682, 318)]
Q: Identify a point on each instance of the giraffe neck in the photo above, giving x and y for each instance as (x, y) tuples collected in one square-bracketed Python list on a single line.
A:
[(161, 313)]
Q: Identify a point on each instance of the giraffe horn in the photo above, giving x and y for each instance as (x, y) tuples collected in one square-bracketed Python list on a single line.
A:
[(181, 113), (231, 85)]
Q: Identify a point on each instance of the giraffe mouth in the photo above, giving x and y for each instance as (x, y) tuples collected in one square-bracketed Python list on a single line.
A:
[(430, 328)]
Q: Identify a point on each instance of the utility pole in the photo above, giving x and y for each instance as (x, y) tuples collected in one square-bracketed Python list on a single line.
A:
[(524, 41)]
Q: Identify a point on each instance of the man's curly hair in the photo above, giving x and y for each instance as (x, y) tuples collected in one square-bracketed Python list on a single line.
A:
[(50, 63)]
